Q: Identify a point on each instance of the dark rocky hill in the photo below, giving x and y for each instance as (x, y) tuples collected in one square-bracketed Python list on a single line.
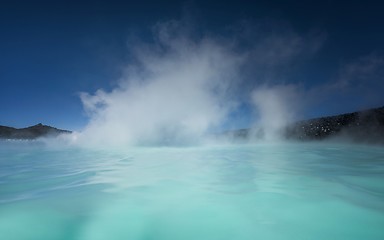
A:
[(32, 132), (364, 126)]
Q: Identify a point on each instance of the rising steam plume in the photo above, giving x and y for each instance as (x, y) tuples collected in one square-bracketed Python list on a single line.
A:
[(179, 88)]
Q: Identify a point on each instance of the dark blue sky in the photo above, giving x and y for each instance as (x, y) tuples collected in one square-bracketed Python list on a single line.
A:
[(52, 50)]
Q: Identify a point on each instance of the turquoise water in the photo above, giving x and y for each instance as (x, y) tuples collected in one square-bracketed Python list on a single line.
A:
[(260, 191)]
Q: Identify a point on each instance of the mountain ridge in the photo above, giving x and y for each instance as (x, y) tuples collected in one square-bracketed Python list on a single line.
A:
[(31, 132)]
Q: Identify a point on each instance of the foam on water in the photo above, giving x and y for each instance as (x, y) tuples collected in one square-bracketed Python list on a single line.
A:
[(260, 191)]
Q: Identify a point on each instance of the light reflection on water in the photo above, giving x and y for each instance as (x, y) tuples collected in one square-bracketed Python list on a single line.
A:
[(261, 191)]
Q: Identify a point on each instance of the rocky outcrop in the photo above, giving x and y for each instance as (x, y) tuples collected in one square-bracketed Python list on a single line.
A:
[(364, 126), (32, 132)]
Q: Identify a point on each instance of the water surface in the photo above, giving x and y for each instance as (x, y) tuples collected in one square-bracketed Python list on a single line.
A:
[(258, 191)]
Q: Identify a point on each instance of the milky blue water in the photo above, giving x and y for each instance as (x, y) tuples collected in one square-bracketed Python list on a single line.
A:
[(242, 192)]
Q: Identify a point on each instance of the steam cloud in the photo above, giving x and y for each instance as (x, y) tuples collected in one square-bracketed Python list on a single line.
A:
[(176, 92), (180, 88), (276, 107)]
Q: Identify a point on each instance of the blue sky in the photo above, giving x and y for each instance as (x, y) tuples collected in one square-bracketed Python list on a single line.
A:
[(51, 51)]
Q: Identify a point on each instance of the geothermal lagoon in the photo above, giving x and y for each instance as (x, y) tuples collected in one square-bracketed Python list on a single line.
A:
[(230, 191), (191, 120)]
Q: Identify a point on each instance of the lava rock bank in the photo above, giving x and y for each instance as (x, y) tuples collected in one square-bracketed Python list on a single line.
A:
[(364, 126)]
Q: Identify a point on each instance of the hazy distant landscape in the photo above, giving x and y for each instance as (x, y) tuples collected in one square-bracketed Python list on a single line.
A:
[(365, 127)]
